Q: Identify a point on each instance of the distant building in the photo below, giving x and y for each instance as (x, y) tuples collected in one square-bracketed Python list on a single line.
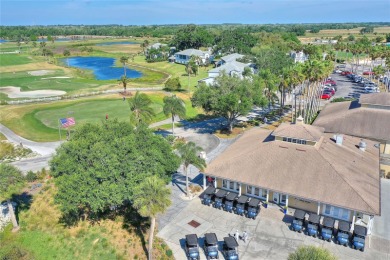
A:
[(299, 56), (183, 57)]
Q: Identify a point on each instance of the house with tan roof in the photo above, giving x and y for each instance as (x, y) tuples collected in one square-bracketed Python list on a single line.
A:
[(302, 167), (368, 118)]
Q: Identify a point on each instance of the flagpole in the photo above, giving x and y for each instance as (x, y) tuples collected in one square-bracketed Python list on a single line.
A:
[(59, 129)]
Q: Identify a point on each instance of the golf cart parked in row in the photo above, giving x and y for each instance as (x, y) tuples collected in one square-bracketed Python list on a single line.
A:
[(253, 208), (299, 218), (313, 223), (230, 248), (219, 198), (359, 237), (211, 246), (191, 247), (208, 195), (343, 233), (327, 228), (241, 205), (230, 201)]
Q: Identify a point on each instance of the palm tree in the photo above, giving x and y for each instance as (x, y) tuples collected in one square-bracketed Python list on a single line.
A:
[(11, 181), (188, 155), (174, 106), (269, 81), (150, 198), (124, 80), (124, 60), (140, 108), (189, 70)]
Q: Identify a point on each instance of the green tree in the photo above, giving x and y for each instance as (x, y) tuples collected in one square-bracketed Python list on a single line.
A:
[(188, 153), (237, 40), (351, 38), (98, 170), (270, 82), (311, 253), (66, 53), (173, 84), (11, 182), (150, 198), (174, 106), (191, 36), (140, 108), (124, 80), (124, 60)]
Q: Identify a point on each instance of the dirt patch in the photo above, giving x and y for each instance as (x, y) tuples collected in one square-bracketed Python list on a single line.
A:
[(40, 72), (14, 92)]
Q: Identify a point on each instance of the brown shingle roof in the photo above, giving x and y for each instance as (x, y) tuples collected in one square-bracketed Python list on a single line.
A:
[(352, 119), (299, 131), (338, 175), (382, 99)]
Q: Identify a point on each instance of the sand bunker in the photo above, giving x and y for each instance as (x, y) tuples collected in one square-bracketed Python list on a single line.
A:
[(14, 92), (40, 72)]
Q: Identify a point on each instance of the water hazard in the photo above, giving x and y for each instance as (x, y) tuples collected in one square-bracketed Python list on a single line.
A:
[(102, 67)]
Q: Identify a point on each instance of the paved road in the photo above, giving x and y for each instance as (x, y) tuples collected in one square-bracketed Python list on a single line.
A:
[(381, 226)]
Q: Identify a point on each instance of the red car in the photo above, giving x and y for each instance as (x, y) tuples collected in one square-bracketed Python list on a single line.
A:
[(331, 82), (326, 95), (368, 73), (330, 90), (345, 73)]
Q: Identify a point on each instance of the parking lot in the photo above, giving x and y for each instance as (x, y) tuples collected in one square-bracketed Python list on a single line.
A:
[(269, 235)]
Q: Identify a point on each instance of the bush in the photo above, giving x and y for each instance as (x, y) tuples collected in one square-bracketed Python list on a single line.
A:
[(168, 252), (30, 177), (311, 253), (173, 84)]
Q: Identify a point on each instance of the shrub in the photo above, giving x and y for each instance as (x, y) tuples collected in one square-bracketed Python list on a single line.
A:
[(311, 253), (173, 84), (168, 252), (31, 176)]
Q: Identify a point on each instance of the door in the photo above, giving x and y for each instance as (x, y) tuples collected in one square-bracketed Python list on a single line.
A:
[(275, 198)]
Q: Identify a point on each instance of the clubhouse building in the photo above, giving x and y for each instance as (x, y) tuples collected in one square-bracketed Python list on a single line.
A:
[(300, 166)]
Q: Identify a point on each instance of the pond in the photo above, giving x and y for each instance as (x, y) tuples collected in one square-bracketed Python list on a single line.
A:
[(114, 43), (102, 67)]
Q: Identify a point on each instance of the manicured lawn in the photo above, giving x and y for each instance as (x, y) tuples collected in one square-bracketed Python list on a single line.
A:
[(13, 59), (39, 122)]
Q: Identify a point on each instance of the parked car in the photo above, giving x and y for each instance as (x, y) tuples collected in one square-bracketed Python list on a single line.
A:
[(343, 233), (345, 73), (368, 73), (208, 195), (229, 248), (241, 205), (230, 201), (371, 90), (299, 218), (312, 227), (331, 82), (219, 198), (359, 237), (211, 246), (330, 89), (253, 208), (326, 95), (327, 228), (192, 247)]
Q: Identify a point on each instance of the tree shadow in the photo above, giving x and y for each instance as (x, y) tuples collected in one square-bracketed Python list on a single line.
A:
[(23, 202)]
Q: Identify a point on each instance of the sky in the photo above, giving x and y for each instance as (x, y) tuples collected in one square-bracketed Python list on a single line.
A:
[(148, 12)]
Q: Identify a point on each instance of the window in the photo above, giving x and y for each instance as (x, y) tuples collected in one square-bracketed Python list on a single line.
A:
[(345, 214), (294, 140), (249, 189), (303, 141), (285, 139), (224, 184), (327, 209), (257, 190), (264, 193), (289, 140), (336, 212), (232, 184)]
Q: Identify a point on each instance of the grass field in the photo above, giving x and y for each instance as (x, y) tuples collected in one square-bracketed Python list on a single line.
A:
[(39, 122), (43, 237), (13, 59)]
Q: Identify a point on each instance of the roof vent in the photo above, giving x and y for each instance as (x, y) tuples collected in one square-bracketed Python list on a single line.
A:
[(338, 139), (362, 145)]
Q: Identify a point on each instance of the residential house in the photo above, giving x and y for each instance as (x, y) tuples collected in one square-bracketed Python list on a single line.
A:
[(299, 56), (183, 57), (368, 118), (301, 167)]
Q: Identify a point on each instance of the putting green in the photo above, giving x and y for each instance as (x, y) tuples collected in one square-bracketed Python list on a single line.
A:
[(95, 111)]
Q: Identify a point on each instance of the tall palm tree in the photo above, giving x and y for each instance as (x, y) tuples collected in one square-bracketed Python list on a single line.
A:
[(188, 153), (124, 80), (11, 181), (189, 70), (140, 108), (269, 80), (150, 198), (124, 60), (174, 106)]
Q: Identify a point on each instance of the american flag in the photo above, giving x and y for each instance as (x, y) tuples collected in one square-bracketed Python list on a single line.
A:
[(66, 122)]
